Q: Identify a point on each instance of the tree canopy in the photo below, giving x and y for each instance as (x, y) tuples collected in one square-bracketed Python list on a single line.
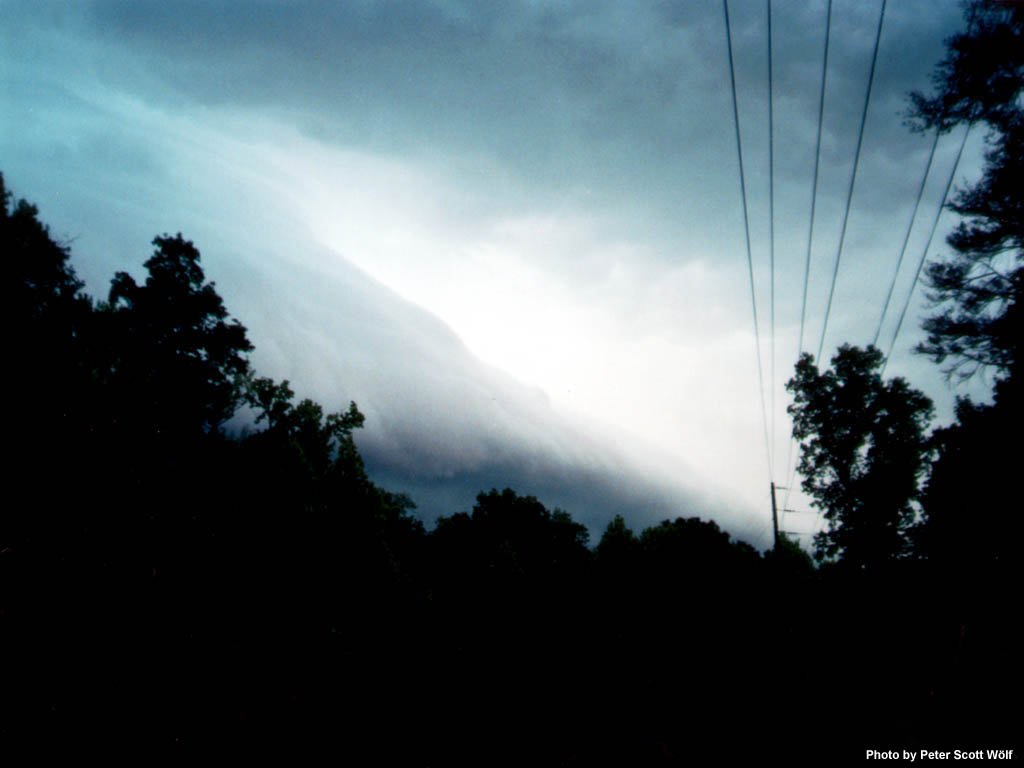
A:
[(178, 364), (970, 528), (863, 451), (977, 290)]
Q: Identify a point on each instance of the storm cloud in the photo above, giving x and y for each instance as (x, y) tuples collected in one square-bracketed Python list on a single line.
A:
[(510, 231)]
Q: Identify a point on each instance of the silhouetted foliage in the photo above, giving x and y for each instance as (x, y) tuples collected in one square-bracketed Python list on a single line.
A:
[(319, 443), (47, 318), (177, 364), (692, 548), (972, 524), (163, 581), (977, 291), (863, 450), (789, 558), (180, 559), (618, 547), (971, 529), (40, 285), (509, 543)]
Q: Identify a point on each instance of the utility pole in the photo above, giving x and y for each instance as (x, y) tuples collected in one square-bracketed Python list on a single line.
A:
[(775, 521)]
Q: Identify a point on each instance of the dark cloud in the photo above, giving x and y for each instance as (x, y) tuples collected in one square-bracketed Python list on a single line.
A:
[(629, 101), (127, 119), (585, 92)]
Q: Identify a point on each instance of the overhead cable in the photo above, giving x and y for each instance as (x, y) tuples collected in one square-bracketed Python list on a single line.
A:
[(906, 239), (810, 228), (853, 180), (771, 225), (746, 228), (927, 245)]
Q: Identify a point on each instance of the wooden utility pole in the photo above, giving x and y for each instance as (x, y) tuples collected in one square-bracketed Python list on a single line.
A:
[(775, 521)]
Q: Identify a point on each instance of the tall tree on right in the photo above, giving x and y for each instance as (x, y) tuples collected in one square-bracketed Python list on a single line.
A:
[(977, 290)]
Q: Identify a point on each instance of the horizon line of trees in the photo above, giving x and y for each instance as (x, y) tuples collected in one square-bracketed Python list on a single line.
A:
[(267, 588), (155, 371), (157, 571)]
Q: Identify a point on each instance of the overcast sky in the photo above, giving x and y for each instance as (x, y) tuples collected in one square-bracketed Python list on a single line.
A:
[(511, 231)]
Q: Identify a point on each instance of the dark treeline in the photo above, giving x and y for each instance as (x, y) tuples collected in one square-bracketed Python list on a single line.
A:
[(170, 586), (166, 583)]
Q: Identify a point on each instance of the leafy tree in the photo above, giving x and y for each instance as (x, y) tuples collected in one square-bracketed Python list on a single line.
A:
[(44, 301), (618, 545), (977, 290), (863, 451), (511, 538), (48, 314), (177, 363), (39, 282), (690, 545), (687, 556), (971, 523), (307, 462), (321, 443)]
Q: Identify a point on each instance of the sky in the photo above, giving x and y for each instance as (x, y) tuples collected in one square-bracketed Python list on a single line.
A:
[(512, 232)]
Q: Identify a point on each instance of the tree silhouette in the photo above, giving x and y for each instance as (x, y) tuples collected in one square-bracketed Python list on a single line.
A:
[(321, 443), (971, 525), (692, 548), (39, 282), (863, 451), (977, 291), (43, 298), (51, 382), (618, 548), (177, 363), (510, 542)]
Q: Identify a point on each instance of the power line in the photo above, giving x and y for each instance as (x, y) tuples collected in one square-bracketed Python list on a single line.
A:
[(746, 228), (853, 179), (810, 231), (927, 245), (906, 239), (814, 186), (771, 224)]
